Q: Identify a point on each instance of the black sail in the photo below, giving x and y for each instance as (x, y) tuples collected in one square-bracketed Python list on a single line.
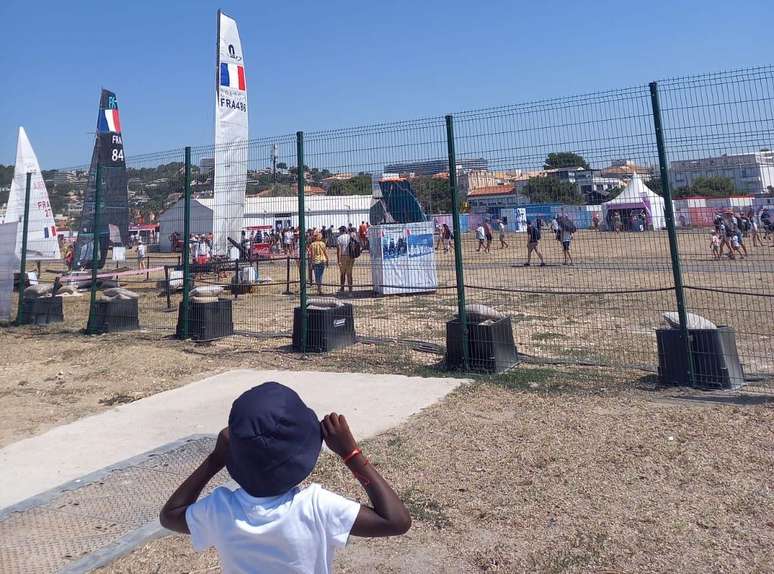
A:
[(114, 198)]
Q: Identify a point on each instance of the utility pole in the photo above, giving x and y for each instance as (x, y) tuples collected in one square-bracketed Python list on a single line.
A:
[(274, 163)]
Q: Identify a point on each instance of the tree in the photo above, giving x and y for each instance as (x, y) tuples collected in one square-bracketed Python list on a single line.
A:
[(558, 160), (433, 194), (714, 186), (357, 185), (654, 184), (543, 189), (282, 165)]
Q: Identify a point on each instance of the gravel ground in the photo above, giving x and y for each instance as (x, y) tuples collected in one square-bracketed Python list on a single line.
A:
[(545, 470)]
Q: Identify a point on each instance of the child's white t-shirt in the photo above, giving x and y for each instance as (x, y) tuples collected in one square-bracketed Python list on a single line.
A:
[(298, 531)]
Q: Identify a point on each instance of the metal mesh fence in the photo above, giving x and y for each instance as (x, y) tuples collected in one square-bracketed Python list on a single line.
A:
[(587, 295), (719, 130), (561, 232)]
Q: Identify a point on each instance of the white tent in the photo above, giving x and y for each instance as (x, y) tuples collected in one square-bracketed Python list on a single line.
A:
[(638, 196)]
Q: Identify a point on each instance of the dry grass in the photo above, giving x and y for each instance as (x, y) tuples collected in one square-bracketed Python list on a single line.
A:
[(539, 470), (555, 471), (54, 375), (586, 327)]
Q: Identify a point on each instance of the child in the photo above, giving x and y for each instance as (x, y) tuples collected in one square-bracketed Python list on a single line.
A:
[(736, 246), (715, 244), (270, 524)]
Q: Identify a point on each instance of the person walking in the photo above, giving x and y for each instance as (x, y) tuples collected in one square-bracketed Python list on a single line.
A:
[(488, 235), (446, 236), (533, 239), (140, 254), (566, 233), (318, 255), (555, 228), (481, 236), (754, 227), (343, 258), (362, 233), (617, 223), (500, 226)]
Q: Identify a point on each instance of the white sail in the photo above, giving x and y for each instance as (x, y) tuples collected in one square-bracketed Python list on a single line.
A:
[(42, 242), (230, 137), (8, 265)]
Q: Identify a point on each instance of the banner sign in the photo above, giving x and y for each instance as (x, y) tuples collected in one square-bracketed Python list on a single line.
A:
[(402, 258), (230, 137), (42, 242)]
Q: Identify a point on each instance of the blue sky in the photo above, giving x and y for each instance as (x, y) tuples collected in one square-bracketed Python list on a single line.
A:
[(317, 65)]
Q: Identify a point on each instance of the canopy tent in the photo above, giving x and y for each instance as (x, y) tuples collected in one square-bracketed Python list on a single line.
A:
[(637, 196)]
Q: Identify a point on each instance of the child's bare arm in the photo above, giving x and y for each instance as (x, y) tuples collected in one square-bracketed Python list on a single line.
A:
[(172, 516), (389, 516)]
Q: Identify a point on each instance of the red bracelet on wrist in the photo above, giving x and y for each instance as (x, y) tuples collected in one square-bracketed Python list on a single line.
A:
[(351, 455)]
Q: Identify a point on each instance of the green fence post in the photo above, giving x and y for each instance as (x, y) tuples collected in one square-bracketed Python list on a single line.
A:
[(23, 265), (301, 235), (186, 244), (669, 216), (90, 326), (457, 237)]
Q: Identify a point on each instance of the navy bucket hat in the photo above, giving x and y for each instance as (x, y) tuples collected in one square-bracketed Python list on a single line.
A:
[(275, 440)]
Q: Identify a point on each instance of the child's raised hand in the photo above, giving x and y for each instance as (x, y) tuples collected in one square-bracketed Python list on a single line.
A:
[(221, 447), (337, 435)]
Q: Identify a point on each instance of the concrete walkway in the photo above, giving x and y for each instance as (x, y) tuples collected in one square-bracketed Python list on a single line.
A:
[(372, 404)]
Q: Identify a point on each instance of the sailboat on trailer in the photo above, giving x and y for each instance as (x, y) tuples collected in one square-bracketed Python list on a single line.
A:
[(42, 242), (114, 197)]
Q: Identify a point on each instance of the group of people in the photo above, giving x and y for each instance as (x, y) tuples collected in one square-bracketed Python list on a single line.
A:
[(562, 229), (731, 229), (349, 244), (629, 220), (285, 240), (485, 233)]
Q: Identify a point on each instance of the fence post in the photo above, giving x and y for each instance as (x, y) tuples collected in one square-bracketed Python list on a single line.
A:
[(301, 235), (90, 326), (23, 265), (669, 216), (457, 237), (186, 243)]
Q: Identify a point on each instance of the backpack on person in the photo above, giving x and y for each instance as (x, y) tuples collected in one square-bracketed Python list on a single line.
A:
[(566, 224), (353, 248)]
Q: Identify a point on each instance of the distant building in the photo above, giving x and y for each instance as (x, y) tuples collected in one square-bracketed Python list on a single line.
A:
[(590, 183), (486, 199), (752, 173), (206, 164), (477, 179), (626, 168), (61, 177), (432, 167)]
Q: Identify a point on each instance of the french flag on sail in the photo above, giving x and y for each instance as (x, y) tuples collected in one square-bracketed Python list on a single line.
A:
[(109, 121), (49, 231), (233, 76)]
